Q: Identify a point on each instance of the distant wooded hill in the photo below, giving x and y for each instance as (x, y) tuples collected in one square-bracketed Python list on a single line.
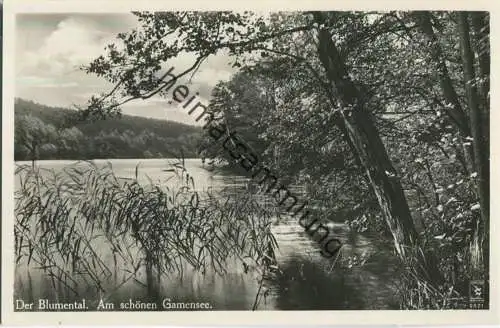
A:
[(43, 132)]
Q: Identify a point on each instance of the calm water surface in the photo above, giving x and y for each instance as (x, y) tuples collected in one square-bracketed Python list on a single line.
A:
[(308, 281)]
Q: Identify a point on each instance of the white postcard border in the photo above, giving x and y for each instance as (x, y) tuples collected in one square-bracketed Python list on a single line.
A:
[(350, 317)]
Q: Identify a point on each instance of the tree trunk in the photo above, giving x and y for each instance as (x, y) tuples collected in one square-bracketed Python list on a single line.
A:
[(370, 150), (33, 153), (481, 28), (479, 145), (456, 113)]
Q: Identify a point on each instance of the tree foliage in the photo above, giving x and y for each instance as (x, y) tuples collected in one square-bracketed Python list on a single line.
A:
[(380, 115)]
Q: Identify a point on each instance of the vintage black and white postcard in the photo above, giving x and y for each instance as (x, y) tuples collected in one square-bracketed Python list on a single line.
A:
[(240, 161)]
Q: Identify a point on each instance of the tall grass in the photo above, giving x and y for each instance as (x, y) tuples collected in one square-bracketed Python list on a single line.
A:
[(86, 229), (451, 292)]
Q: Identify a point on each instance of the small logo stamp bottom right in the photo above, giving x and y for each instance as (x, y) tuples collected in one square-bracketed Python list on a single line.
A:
[(476, 294)]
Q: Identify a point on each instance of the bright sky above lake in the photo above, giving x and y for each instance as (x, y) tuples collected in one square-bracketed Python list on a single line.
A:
[(51, 47)]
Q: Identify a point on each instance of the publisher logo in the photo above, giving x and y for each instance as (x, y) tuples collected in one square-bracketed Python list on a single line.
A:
[(476, 294)]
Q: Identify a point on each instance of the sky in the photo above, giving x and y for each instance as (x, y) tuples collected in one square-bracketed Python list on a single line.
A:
[(51, 47)]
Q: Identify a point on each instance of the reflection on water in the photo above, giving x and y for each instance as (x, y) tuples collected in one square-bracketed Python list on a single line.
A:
[(304, 281)]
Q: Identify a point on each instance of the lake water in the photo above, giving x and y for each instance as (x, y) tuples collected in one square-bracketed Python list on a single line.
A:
[(308, 280)]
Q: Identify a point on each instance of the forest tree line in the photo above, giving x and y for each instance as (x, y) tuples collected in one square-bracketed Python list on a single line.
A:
[(43, 132)]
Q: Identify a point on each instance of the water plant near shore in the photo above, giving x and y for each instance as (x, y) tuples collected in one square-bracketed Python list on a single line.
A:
[(86, 229)]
